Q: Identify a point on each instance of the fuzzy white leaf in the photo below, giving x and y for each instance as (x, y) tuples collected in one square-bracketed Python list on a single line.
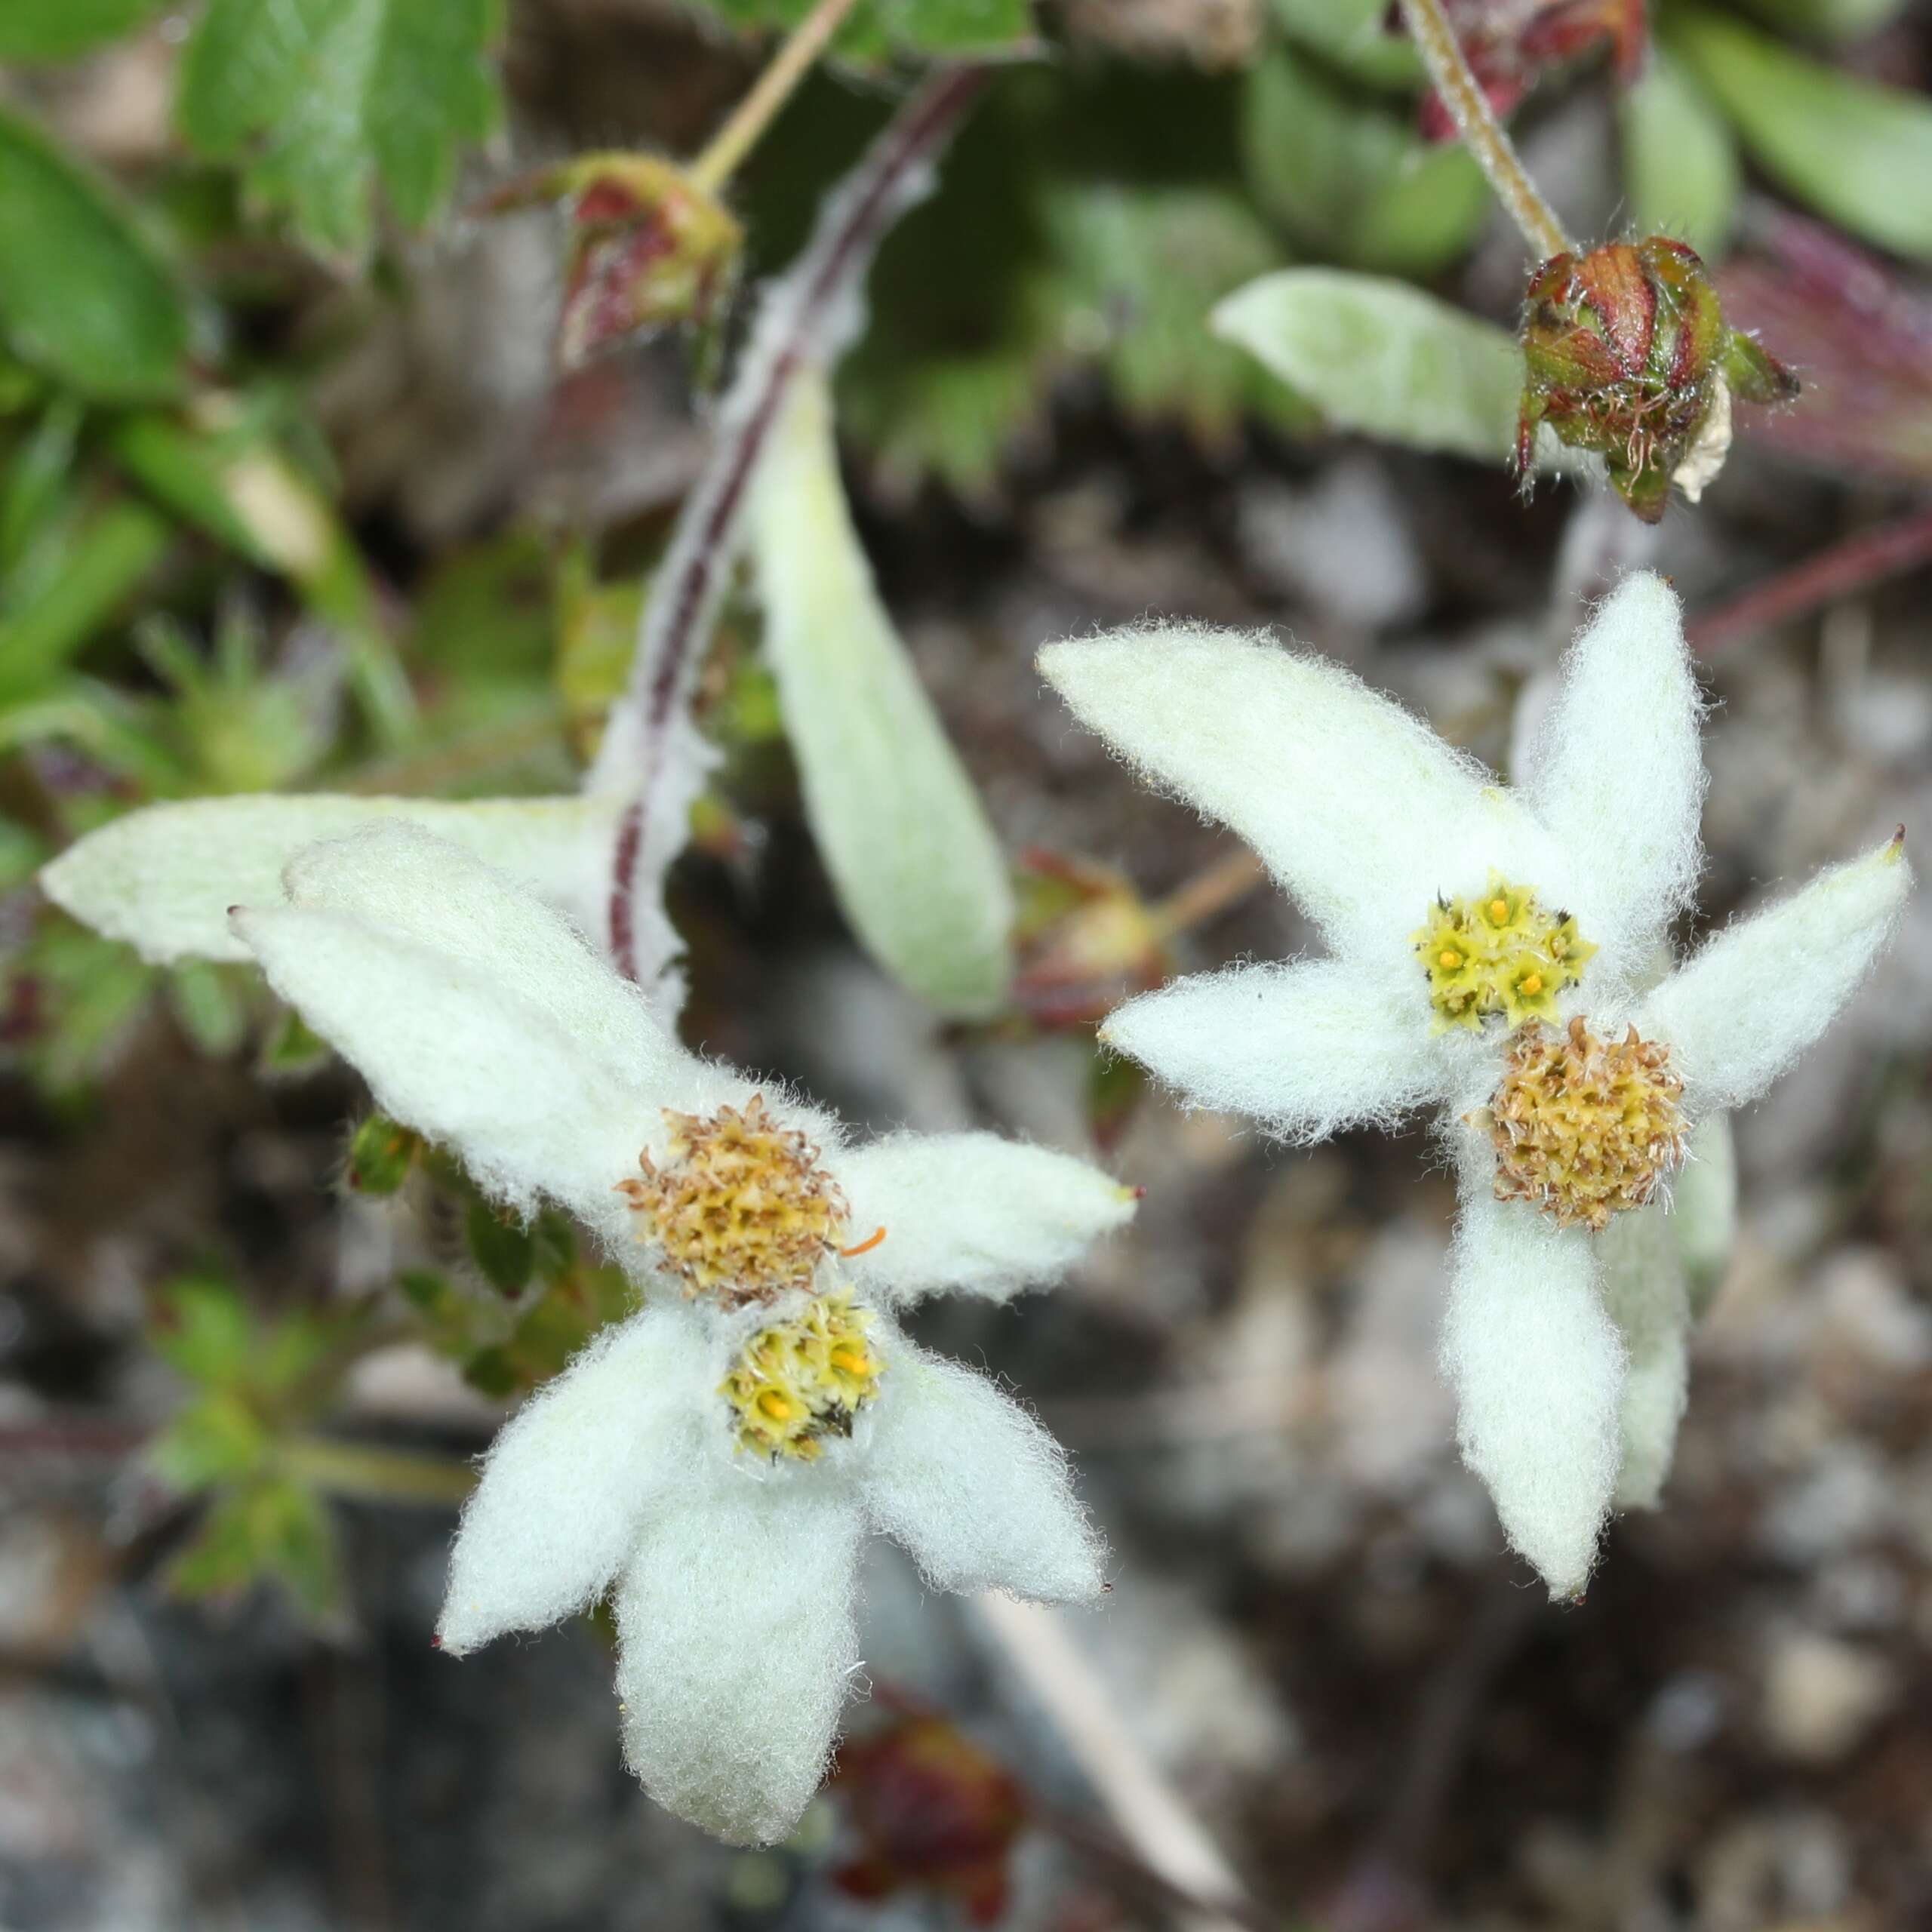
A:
[(163, 879), (1380, 356), (568, 1479), (1644, 1289), (448, 1051), (1753, 998), (1703, 1208), (398, 877), (918, 870), (974, 1488), (1359, 809), (1304, 1050), (973, 1212), (1617, 772), (735, 1645), (1538, 1366)]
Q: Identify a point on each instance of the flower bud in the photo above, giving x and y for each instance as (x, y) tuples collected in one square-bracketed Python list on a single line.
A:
[(1627, 353), (931, 1809), (648, 247)]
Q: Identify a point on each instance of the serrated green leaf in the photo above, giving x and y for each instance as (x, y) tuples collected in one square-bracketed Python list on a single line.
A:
[(81, 295), (1680, 161), (1376, 355), (1857, 151), (59, 30), (321, 99), (917, 868), (1350, 178)]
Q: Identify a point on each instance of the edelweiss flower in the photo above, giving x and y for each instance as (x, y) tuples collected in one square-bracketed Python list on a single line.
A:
[(1501, 954), (719, 1457)]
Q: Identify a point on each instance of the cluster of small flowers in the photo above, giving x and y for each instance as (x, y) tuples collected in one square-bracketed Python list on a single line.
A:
[(1499, 952)]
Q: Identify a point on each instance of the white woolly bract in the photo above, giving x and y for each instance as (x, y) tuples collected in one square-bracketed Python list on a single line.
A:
[(1304, 1050), (164, 878), (1753, 998), (451, 1053), (1617, 773), (401, 880), (972, 1212), (1703, 1209), (1360, 811), (1642, 1278), (974, 1488), (1537, 1366), (919, 871), (736, 1647), (567, 1482)]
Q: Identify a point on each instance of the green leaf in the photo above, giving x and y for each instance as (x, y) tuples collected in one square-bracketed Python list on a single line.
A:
[(58, 29), (1859, 153), (99, 566), (81, 295), (881, 26), (917, 868), (1828, 19), (503, 1247), (1381, 357), (1353, 36), (211, 1005), (269, 1529), (1142, 267), (321, 99), (201, 1328), (218, 1439), (1350, 178), (1680, 161), (382, 1155)]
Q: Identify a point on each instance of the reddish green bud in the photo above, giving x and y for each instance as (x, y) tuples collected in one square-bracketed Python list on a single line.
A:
[(930, 1809), (1626, 353), (648, 247)]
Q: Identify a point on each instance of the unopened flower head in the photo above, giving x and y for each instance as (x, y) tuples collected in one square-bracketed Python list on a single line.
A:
[(1586, 1128), (741, 1206), (1577, 1071), (715, 1460), (1627, 353)]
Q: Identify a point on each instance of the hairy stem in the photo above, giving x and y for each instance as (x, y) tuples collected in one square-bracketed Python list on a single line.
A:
[(1483, 134), (756, 112), (806, 318), (1226, 882)]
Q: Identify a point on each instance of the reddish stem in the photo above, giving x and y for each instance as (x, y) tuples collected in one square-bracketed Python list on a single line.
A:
[(1857, 563), (805, 321)]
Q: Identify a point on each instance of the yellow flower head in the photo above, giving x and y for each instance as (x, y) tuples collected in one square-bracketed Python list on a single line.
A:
[(802, 1379), (1498, 952)]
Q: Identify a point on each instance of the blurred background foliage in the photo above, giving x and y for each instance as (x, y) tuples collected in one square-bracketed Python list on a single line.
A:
[(294, 494)]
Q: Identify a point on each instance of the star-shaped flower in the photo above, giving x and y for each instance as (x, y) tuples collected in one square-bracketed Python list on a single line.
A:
[(1500, 955), (719, 1457)]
